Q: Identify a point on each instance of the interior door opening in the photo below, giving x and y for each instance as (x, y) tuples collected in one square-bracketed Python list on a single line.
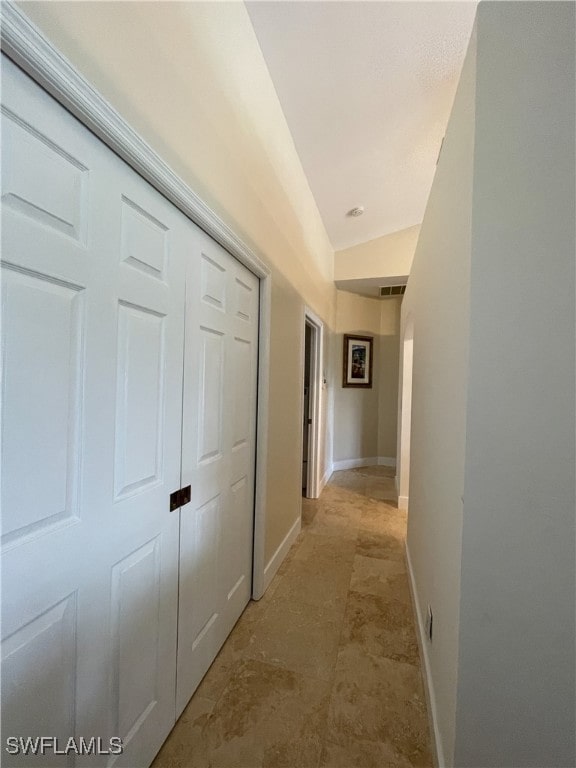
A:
[(312, 389), (307, 421)]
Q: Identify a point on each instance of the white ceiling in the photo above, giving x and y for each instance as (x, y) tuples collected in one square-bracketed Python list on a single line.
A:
[(366, 88)]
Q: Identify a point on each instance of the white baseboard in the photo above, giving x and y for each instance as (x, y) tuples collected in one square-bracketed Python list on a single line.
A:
[(372, 461), (353, 463), (437, 748), (402, 502), (276, 560)]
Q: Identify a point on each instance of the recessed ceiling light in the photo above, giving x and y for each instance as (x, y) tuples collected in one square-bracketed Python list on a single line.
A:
[(356, 211)]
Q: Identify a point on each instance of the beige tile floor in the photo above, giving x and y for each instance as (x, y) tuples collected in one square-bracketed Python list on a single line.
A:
[(324, 671)]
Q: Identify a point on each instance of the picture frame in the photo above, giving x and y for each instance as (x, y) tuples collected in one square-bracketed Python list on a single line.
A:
[(357, 361)]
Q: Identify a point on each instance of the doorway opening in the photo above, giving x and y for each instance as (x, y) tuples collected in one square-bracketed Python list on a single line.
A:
[(406, 415), (312, 404)]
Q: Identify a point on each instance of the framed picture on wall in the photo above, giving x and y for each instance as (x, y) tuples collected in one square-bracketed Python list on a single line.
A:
[(357, 358)]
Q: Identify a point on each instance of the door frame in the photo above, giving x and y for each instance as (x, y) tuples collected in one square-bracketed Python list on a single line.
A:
[(313, 488), (26, 45)]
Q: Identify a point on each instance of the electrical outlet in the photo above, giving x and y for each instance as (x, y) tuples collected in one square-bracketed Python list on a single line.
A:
[(429, 623)]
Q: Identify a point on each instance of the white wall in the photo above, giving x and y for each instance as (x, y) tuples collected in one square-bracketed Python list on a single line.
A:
[(491, 527), (388, 362), (516, 687), (436, 300), (387, 256)]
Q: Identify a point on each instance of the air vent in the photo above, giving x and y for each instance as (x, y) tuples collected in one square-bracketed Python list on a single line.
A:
[(392, 290)]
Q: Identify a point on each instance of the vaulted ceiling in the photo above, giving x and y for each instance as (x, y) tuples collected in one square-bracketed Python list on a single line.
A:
[(366, 88)]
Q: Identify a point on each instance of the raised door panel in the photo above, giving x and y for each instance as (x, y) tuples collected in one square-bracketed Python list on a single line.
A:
[(39, 684), (139, 399), (43, 365), (41, 180), (144, 240), (242, 363), (211, 375), (237, 538), (198, 621), (136, 630)]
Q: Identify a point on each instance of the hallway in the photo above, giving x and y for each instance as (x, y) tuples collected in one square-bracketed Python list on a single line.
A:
[(324, 670)]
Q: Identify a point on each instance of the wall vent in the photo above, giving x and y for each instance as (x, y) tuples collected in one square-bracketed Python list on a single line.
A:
[(392, 290)]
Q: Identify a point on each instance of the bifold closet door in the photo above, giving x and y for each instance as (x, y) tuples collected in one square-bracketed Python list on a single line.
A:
[(218, 455), (129, 353), (92, 338)]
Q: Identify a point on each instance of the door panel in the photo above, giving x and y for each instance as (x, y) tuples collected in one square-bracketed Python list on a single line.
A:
[(43, 373), (135, 582), (139, 536), (144, 240), (92, 304), (41, 180), (42, 653), (218, 456), (139, 397), (211, 386)]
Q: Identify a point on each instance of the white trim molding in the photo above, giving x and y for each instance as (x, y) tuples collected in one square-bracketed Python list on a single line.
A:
[(439, 760), (276, 560), (315, 408), (373, 461), (354, 463), (403, 502), (25, 44), (260, 491)]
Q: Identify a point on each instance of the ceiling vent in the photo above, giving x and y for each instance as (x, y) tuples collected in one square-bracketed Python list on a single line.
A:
[(392, 290)]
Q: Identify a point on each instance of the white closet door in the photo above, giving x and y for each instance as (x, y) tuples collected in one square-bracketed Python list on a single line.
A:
[(218, 455), (92, 338)]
